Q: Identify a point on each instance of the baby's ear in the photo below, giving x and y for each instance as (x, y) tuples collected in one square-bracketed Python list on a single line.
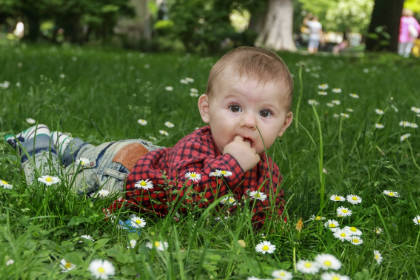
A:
[(203, 107), (287, 121)]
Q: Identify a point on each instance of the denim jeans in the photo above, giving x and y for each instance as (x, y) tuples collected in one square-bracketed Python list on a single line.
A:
[(99, 171)]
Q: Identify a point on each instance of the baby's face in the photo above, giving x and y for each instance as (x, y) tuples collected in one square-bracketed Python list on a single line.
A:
[(243, 106)]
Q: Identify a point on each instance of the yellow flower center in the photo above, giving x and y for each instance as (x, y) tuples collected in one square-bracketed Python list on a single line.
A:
[(355, 240), (4, 182), (353, 229), (342, 234), (231, 200), (138, 221), (48, 179), (193, 175), (317, 218), (223, 172), (258, 195), (345, 210), (101, 270), (377, 257), (308, 265), (143, 183), (391, 194), (337, 198), (354, 198), (67, 265), (327, 263), (335, 278), (157, 243), (332, 226), (265, 248)]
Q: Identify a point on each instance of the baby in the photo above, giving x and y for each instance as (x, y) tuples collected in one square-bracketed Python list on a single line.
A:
[(246, 106)]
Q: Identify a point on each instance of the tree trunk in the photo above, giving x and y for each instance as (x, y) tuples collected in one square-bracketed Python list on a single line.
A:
[(34, 27), (277, 32), (385, 17)]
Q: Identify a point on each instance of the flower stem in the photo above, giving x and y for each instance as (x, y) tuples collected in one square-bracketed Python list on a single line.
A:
[(299, 99), (320, 161)]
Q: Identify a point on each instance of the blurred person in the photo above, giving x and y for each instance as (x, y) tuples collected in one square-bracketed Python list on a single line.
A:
[(409, 31), (315, 32)]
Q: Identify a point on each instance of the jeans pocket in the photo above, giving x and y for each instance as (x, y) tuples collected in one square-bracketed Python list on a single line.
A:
[(113, 180)]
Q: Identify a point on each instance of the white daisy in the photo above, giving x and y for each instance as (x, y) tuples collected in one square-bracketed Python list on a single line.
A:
[(329, 104), (416, 220), (281, 275), (333, 276), (193, 176), (169, 88), (194, 90), (344, 115), (137, 222), (378, 230), (101, 269), (343, 212), (87, 237), (391, 193), (336, 197), (316, 218), (405, 124), (30, 121), (415, 110), (404, 137), (220, 173), (354, 199), (336, 90), (142, 122), (333, 225), (323, 93), (49, 180), (307, 267), (5, 185), (379, 126), (323, 86), (313, 102), (193, 94), (183, 81), (356, 240), (258, 195), (189, 79), (144, 184), (169, 124), (85, 162), (229, 200), (379, 111), (163, 132), (354, 95), (62, 76), (5, 84), (336, 102), (9, 262), (350, 110), (265, 247), (342, 235), (327, 261), (353, 230), (335, 115), (66, 265), (132, 244), (377, 256), (159, 245), (102, 193)]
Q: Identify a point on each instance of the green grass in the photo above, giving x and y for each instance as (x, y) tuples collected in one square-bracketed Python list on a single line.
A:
[(99, 95)]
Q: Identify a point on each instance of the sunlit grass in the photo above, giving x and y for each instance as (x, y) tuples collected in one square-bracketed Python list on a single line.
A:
[(334, 148)]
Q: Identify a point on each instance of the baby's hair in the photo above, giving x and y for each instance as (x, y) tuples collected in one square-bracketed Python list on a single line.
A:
[(255, 62)]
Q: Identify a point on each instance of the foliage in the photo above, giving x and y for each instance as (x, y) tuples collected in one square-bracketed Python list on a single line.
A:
[(341, 15)]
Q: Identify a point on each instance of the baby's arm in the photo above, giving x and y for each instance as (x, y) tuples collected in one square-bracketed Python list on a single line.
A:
[(242, 151)]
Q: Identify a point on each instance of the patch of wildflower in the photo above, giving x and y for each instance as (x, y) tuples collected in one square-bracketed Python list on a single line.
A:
[(344, 115), (10, 262), (353, 230), (342, 235), (220, 173), (333, 276), (316, 218), (137, 222), (379, 126), (354, 95), (132, 244), (336, 90), (333, 225), (322, 93), (265, 247), (323, 86), (229, 200), (163, 132), (87, 237), (356, 240), (101, 269), (169, 124), (30, 120), (102, 193), (313, 102), (378, 230), (336, 102), (169, 88), (379, 112), (405, 137), (415, 110), (85, 162), (408, 124)]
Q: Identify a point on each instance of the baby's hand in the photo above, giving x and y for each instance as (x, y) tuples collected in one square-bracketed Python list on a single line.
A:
[(242, 151)]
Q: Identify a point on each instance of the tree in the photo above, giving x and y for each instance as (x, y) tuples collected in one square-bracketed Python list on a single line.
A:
[(384, 26), (277, 29)]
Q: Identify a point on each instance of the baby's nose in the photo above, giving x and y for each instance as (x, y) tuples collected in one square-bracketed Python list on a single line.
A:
[(249, 120)]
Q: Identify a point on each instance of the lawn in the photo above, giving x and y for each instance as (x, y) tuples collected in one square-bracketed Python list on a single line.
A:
[(354, 139)]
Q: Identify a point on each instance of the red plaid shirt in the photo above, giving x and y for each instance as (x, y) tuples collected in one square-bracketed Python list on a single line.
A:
[(172, 171)]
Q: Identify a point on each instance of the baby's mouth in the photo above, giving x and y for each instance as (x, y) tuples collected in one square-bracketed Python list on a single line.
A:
[(249, 140)]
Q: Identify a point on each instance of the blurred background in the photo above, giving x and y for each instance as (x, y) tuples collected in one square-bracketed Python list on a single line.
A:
[(208, 26)]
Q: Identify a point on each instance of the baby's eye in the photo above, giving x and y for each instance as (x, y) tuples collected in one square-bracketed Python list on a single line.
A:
[(266, 113), (235, 108)]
